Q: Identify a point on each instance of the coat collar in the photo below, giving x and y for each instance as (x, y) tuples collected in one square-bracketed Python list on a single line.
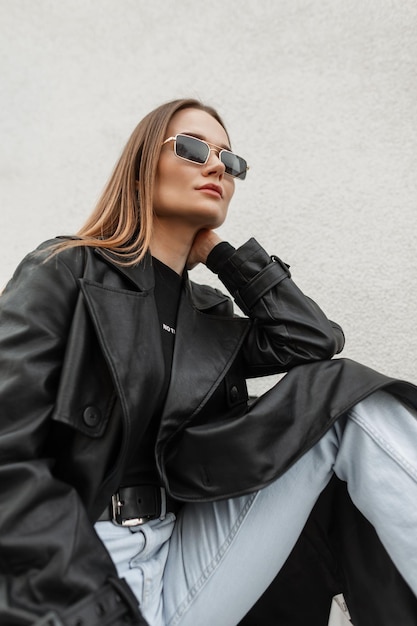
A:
[(141, 276)]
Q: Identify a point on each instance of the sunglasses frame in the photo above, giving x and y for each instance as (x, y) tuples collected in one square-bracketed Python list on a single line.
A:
[(215, 148)]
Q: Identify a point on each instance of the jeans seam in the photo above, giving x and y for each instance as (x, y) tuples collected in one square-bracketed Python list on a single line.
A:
[(211, 566), (384, 444)]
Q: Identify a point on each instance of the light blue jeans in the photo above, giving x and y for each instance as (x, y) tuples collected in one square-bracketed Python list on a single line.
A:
[(211, 564)]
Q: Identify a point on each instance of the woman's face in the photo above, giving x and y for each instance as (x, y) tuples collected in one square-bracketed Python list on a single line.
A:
[(196, 195)]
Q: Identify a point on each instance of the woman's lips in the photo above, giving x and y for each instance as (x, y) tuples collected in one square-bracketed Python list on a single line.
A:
[(213, 190)]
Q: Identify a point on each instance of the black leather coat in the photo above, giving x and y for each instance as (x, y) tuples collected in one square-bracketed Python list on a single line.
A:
[(81, 364)]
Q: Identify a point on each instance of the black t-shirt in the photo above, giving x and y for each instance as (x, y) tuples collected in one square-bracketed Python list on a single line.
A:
[(141, 468)]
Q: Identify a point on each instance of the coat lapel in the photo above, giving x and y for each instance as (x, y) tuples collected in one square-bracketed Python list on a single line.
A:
[(127, 327), (205, 346)]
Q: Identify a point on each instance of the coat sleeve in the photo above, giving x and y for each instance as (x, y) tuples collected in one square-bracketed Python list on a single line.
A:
[(288, 328), (51, 560)]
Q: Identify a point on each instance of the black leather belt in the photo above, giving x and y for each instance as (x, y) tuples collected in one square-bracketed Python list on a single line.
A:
[(133, 506)]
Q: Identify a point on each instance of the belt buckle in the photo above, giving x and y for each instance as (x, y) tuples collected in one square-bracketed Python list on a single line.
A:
[(118, 520)]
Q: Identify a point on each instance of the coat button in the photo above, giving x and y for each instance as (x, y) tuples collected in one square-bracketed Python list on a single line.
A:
[(234, 393), (91, 416)]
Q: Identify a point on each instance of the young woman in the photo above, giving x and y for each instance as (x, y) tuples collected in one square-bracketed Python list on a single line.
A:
[(133, 470)]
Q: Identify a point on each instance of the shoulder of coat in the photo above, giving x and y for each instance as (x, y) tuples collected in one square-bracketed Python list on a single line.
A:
[(205, 296), (48, 253)]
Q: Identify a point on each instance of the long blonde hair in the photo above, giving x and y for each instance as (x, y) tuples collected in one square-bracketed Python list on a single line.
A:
[(123, 217)]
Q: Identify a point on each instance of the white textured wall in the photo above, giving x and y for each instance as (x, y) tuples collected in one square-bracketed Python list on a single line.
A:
[(319, 95)]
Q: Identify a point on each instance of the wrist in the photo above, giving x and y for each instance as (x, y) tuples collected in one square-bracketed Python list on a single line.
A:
[(211, 241)]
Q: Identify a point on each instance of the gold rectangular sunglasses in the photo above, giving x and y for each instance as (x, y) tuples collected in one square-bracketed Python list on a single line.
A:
[(198, 151)]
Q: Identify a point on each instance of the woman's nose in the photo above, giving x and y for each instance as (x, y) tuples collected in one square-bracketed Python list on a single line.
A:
[(214, 164)]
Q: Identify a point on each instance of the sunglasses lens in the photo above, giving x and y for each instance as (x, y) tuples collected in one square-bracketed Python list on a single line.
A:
[(234, 165), (191, 149)]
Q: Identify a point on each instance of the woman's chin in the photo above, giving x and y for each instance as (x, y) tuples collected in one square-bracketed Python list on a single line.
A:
[(210, 217)]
